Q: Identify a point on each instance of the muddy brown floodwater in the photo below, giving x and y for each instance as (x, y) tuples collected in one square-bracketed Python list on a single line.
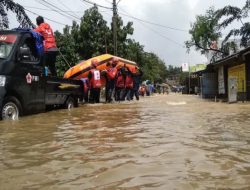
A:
[(161, 142)]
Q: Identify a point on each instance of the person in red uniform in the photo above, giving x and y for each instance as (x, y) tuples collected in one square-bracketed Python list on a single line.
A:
[(128, 84), (94, 77), (110, 83), (120, 83), (49, 43)]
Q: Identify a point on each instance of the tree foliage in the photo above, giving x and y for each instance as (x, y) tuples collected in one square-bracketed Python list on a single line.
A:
[(93, 37), (208, 28), (21, 16), (204, 31)]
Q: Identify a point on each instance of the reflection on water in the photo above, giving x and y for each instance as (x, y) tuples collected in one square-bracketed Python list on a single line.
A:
[(160, 142)]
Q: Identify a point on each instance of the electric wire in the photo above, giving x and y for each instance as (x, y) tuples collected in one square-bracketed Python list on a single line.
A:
[(51, 9), (58, 10), (169, 39), (45, 17), (66, 7), (98, 5), (152, 23)]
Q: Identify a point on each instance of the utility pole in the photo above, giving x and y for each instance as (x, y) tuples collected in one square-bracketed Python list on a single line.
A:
[(115, 27)]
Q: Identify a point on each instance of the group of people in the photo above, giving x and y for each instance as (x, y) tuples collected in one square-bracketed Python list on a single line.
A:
[(122, 82)]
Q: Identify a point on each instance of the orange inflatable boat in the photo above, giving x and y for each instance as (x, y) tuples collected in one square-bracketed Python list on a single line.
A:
[(82, 69)]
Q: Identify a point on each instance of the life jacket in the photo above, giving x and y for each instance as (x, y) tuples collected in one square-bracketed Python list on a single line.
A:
[(111, 73), (95, 81), (120, 82), (49, 40), (129, 82)]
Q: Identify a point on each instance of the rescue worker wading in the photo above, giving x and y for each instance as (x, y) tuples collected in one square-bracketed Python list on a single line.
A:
[(94, 77), (49, 44), (128, 84), (85, 82), (110, 83), (120, 83), (137, 74)]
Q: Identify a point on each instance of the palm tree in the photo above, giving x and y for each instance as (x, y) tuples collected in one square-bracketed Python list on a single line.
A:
[(22, 18)]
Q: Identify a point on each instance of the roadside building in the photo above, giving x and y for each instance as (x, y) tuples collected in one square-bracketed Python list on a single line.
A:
[(227, 78)]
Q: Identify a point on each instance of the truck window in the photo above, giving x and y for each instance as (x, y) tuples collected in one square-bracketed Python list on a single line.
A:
[(7, 42), (33, 55)]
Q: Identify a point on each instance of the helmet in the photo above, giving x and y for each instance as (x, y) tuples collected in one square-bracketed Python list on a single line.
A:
[(94, 63)]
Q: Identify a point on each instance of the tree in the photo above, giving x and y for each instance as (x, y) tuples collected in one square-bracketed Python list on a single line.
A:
[(92, 34), (134, 51), (207, 30), (67, 46), (204, 32), (93, 37), (153, 68), (122, 36), (235, 14), (21, 16)]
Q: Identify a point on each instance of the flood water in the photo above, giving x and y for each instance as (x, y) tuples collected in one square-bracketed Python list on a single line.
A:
[(161, 142)]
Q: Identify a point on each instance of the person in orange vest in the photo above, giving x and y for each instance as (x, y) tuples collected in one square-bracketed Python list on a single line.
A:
[(110, 79), (120, 83), (49, 42), (94, 77), (128, 84)]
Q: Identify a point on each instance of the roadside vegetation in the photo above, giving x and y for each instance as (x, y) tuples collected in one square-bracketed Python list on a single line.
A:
[(213, 30)]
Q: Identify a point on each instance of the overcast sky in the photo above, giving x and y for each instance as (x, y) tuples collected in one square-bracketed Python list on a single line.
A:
[(167, 43)]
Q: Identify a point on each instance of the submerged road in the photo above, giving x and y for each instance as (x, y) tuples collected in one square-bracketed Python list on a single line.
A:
[(160, 142)]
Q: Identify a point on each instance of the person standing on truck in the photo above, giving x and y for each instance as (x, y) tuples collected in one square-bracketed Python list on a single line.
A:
[(94, 77), (49, 43), (110, 83)]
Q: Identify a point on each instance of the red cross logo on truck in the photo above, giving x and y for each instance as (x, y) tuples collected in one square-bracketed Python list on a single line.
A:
[(28, 78)]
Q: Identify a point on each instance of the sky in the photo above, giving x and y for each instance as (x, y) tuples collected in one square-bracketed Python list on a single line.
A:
[(167, 40)]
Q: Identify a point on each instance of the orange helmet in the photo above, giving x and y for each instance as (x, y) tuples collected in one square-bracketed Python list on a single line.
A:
[(94, 63)]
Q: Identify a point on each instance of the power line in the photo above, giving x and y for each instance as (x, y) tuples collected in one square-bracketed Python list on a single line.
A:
[(51, 9), (108, 2), (148, 22), (152, 23), (98, 5), (66, 7), (60, 9), (45, 17), (169, 39), (61, 12)]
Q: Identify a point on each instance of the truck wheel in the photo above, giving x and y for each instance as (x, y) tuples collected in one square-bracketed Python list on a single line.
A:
[(11, 109), (70, 103)]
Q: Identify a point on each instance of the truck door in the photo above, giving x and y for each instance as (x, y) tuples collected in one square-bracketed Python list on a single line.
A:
[(30, 72)]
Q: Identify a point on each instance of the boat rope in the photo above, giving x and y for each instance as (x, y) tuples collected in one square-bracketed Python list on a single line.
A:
[(64, 58)]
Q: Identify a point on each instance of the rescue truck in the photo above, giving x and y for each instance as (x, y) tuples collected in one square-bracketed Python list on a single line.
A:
[(25, 85)]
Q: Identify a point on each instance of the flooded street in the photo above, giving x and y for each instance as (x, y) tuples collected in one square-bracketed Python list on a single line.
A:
[(161, 142)]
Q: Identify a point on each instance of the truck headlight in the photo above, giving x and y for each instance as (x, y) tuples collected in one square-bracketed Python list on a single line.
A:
[(2, 80)]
